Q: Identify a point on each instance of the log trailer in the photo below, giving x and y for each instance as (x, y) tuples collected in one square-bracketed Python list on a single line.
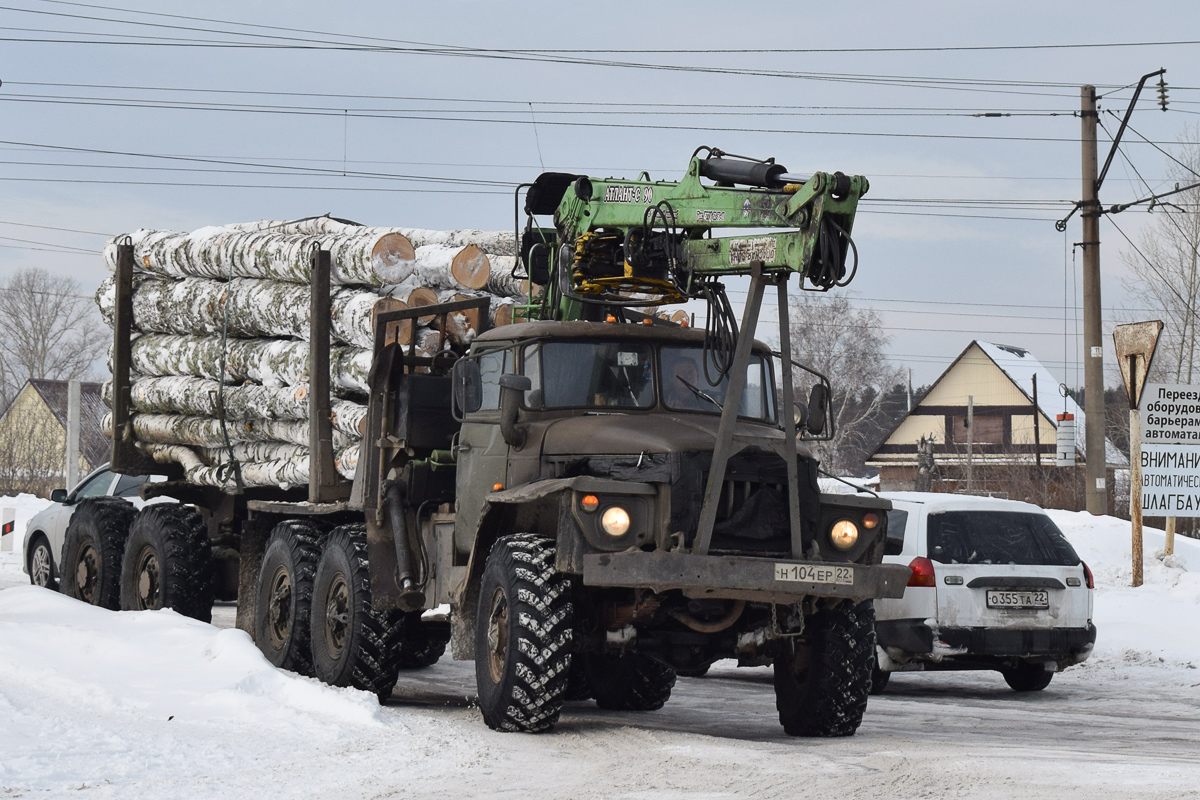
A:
[(603, 499)]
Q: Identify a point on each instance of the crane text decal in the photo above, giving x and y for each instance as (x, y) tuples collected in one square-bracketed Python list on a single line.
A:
[(744, 251)]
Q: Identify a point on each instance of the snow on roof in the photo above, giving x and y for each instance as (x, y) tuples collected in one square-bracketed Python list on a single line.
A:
[(1020, 366), (942, 501)]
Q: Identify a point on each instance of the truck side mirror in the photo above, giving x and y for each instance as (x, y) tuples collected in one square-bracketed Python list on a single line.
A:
[(58, 496), (818, 406), (468, 386), (512, 391)]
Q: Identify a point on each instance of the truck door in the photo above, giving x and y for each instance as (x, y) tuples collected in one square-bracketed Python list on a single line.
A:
[(482, 452)]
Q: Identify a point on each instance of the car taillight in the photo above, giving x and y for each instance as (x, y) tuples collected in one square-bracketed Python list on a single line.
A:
[(922, 572), (1087, 573)]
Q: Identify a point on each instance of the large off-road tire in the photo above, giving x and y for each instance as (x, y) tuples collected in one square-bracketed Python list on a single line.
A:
[(523, 635), (630, 682), (41, 563), (168, 562), (421, 644), (1027, 677), (283, 601), (821, 685), (352, 644), (92, 550), (693, 672)]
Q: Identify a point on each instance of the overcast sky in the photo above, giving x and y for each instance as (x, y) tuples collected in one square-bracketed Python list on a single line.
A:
[(120, 117)]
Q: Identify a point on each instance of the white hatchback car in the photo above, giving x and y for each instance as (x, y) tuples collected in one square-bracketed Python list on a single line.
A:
[(995, 585)]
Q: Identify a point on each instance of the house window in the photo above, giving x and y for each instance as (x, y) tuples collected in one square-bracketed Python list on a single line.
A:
[(989, 429)]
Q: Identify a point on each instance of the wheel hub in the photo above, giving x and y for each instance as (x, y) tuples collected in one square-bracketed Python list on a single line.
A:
[(87, 571), (497, 635), (279, 614), (149, 580), (39, 567), (337, 616)]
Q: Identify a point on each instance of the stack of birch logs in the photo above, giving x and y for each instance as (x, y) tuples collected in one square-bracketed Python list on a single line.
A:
[(220, 319)]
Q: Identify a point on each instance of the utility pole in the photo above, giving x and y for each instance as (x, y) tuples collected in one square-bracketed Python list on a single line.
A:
[(1093, 347)]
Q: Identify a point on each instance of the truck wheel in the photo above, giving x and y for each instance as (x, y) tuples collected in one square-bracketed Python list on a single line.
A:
[(578, 686), (284, 595), (1027, 677), (631, 682), (352, 644), (168, 562), (92, 551), (821, 686), (422, 644), (693, 672), (523, 634), (41, 564)]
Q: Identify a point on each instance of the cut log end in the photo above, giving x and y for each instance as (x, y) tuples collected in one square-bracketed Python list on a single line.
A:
[(392, 256), (471, 268), (399, 331)]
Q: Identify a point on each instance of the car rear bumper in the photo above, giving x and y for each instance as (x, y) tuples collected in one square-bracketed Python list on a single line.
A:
[(914, 638), (741, 577)]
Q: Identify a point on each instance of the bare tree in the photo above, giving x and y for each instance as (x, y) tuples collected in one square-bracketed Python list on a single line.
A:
[(1164, 268), (846, 345), (48, 329)]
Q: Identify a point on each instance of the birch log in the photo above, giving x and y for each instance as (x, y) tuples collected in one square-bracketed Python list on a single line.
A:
[(500, 277), (206, 431), (252, 308), (270, 362), (359, 255), (200, 397), (284, 472), (501, 243)]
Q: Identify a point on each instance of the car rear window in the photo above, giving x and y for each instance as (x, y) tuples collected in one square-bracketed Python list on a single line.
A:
[(897, 522), (998, 537)]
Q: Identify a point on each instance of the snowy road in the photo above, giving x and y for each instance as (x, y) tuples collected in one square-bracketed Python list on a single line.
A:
[(150, 705)]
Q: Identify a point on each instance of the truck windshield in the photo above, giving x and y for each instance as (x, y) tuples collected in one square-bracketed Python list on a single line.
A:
[(685, 385), (573, 374), (998, 537)]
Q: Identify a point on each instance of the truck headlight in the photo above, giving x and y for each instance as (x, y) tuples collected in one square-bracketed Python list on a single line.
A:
[(844, 534), (615, 521)]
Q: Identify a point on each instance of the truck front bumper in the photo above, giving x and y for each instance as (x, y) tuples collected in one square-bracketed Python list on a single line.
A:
[(742, 577)]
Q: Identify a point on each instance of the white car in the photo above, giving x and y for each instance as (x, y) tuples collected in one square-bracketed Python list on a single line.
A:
[(47, 529), (995, 585)]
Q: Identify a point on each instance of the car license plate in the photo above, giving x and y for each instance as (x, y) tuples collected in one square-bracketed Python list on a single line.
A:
[(1018, 599), (814, 573)]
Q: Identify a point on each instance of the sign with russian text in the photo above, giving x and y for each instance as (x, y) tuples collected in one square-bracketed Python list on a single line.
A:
[(1170, 450)]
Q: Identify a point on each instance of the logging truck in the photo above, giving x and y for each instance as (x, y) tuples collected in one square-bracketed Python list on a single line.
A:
[(601, 497)]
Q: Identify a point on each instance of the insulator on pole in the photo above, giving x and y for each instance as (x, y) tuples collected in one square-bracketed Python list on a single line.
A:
[(1162, 92)]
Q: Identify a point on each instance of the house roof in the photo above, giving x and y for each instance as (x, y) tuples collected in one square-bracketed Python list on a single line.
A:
[(93, 444), (1019, 365)]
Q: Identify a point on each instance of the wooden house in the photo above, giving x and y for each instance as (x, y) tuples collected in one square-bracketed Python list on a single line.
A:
[(1010, 449), (33, 436)]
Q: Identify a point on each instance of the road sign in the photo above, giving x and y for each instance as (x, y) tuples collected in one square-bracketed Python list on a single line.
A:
[(1168, 464), (1135, 344)]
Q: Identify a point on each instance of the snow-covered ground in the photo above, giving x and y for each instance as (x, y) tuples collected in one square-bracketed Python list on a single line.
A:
[(130, 705)]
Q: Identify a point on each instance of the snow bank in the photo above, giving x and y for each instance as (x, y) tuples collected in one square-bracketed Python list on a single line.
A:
[(1153, 624), (103, 692)]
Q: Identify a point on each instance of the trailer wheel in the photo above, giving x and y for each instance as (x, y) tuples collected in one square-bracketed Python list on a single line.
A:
[(629, 682), (168, 562), (523, 635), (284, 595), (41, 564), (821, 686), (92, 551), (352, 644), (421, 644)]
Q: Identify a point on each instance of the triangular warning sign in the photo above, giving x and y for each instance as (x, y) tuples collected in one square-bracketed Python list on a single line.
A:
[(1135, 344)]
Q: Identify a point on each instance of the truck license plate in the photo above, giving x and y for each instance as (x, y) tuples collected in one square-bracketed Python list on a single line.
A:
[(812, 573), (1018, 599)]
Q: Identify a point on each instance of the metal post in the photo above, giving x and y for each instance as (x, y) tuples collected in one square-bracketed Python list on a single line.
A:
[(1037, 429), (970, 442), (1093, 348), (737, 382), (789, 420), (322, 476), (74, 398)]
